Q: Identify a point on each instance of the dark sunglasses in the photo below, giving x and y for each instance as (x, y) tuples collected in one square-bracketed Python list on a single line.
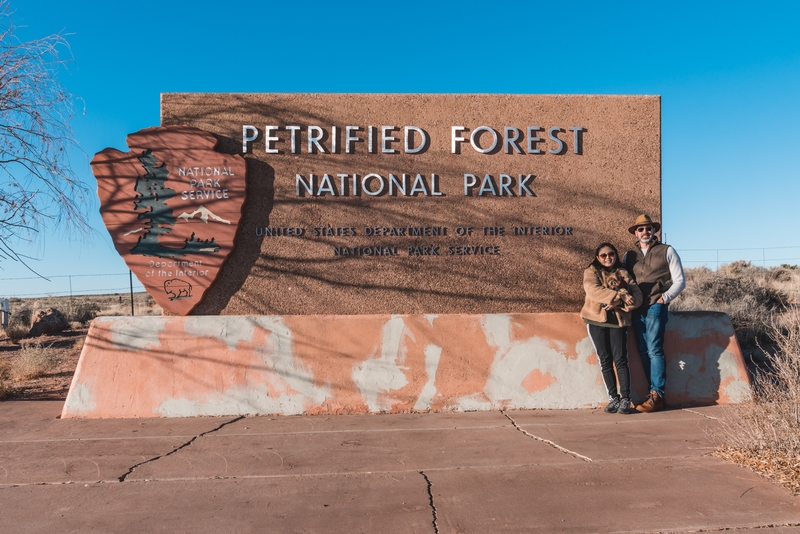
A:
[(645, 229), (607, 255)]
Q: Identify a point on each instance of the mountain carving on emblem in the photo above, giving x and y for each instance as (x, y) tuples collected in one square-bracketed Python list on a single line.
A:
[(204, 213)]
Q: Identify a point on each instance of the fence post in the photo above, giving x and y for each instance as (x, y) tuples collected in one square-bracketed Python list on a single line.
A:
[(130, 277), (5, 308)]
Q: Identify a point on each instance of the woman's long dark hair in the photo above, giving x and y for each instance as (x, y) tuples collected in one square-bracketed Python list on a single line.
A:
[(599, 266)]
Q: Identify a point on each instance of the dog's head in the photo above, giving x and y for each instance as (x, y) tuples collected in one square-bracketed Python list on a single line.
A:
[(613, 280)]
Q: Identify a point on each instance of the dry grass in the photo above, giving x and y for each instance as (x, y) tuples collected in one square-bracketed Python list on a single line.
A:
[(753, 297), (80, 310), (41, 369), (34, 361), (5, 368), (779, 466), (29, 371), (764, 434)]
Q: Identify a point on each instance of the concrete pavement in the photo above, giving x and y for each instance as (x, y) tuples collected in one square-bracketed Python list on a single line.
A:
[(515, 471)]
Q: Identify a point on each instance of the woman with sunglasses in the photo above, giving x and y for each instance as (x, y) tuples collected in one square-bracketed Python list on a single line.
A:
[(611, 295)]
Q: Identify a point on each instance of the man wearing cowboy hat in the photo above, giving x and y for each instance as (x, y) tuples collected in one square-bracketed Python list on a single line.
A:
[(657, 270)]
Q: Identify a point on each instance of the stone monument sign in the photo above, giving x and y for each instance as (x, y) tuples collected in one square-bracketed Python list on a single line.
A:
[(379, 253), (365, 204)]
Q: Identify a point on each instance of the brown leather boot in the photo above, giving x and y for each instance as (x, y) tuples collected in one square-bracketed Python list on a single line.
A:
[(653, 403)]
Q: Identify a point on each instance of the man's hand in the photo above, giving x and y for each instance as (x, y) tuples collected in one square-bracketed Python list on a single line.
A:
[(660, 300)]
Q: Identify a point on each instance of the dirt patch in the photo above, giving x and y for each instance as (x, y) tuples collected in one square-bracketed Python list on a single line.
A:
[(64, 348)]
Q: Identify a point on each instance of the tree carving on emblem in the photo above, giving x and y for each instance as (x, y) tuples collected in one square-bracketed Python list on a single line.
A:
[(151, 196)]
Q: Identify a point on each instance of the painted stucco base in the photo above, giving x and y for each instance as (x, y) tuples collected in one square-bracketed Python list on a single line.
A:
[(228, 365)]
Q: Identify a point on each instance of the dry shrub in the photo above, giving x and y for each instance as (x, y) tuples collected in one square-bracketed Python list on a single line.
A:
[(151, 309), (33, 361), (5, 374), (5, 369), (750, 295), (765, 434), (20, 316), (15, 333), (115, 310), (82, 310)]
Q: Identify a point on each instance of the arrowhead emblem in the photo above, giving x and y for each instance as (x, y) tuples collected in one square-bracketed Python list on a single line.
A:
[(171, 170)]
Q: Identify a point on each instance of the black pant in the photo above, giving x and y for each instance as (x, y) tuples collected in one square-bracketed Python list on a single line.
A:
[(611, 345)]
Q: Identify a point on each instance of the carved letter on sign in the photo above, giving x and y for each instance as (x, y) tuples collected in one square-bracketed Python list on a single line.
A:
[(172, 206)]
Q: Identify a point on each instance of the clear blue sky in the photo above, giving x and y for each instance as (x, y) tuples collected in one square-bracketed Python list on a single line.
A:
[(728, 73)]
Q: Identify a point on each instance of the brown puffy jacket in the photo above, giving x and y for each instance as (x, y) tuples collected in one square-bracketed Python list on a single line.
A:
[(597, 296)]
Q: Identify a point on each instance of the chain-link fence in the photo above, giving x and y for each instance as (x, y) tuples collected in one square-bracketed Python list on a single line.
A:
[(713, 258), (70, 285)]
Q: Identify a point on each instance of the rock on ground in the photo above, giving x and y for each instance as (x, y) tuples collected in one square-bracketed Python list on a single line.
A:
[(48, 321)]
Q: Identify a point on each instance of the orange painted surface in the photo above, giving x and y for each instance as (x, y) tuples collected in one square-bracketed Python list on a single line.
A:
[(226, 365)]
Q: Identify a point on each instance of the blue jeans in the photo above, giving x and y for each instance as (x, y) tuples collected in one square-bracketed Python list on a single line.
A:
[(649, 324)]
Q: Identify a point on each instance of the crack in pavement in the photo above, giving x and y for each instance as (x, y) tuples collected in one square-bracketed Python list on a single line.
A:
[(547, 441), (116, 480), (430, 498), (701, 414), (176, 449)]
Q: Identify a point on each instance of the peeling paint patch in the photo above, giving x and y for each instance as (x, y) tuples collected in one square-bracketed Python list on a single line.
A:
[(430, 318), (576, 383), (238, 400), (80, 398), (278, 355), (228, 330), (574, 380), (375, 378), (135, 334), (738, 389), (432, 355), (290, 376), (497, 329), (560, 346), (476, 402)]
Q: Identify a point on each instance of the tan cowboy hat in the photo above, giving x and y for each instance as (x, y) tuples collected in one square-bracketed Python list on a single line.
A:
[(644, 220)]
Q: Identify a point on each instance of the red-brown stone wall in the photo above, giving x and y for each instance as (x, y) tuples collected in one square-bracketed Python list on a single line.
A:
[(596, 193)]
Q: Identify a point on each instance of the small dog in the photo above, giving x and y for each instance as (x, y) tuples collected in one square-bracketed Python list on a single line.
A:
[(616, 282)]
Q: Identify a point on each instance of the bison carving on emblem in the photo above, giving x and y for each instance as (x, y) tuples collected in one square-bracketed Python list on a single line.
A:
[(178, 289)]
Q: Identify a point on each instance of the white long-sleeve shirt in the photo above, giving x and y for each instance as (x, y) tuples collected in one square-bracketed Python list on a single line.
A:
[(675, 272)]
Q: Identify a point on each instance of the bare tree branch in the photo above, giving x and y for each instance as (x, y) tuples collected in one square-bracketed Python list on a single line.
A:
[(37, 183)]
